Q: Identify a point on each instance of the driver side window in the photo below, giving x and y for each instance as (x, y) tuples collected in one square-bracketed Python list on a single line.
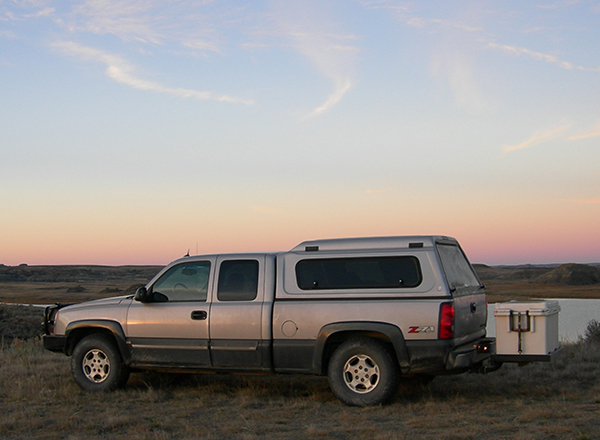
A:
[(184, 282)]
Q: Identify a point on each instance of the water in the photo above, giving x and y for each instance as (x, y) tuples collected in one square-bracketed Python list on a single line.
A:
[(572, 320)]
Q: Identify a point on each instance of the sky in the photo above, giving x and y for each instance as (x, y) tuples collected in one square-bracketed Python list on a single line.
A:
[(133, 131)]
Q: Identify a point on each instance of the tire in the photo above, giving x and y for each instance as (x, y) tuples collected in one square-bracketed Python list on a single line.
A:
[(363, 372), (96, 364)]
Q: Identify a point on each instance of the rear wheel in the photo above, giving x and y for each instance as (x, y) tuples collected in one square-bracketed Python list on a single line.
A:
[(96, 364), (363, 372)]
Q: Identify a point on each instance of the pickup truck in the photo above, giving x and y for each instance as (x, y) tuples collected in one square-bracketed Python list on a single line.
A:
[(367, 312)]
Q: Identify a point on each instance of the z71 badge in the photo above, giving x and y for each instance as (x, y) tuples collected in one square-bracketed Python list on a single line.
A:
[(421, 329)]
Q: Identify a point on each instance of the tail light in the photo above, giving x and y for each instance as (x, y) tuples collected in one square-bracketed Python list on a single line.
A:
[(446, 326)]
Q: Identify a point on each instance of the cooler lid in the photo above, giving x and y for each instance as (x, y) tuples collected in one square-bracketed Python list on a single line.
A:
[(535, 308)]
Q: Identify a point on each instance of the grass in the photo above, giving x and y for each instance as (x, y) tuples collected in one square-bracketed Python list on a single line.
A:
[(39, 400)]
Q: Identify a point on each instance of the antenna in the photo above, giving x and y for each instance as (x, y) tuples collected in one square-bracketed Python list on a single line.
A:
[(188, 254)]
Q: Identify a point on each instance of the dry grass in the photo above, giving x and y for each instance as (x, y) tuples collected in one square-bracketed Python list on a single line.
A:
[(39, 400)]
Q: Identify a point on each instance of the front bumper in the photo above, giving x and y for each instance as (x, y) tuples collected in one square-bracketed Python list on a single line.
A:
[(55, 343)]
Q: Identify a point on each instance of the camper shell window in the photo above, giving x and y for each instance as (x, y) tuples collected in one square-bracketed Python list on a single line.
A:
[(359, 273)]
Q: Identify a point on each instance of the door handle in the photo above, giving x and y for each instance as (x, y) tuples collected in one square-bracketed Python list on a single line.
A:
[(199, 315)]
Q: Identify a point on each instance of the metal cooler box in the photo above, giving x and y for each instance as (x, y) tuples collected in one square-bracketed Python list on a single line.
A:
[(526, 331)]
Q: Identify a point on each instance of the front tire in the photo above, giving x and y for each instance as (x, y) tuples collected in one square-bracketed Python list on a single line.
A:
[(96, 364), (363, 372)]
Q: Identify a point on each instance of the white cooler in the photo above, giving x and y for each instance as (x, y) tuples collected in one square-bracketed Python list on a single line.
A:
[(526, 329)]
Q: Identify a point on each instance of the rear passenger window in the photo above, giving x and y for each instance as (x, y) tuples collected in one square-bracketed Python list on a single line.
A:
[(359, 273), (238, 280)]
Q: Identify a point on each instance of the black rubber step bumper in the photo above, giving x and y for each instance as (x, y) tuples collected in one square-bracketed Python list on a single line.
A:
[(55, 343)]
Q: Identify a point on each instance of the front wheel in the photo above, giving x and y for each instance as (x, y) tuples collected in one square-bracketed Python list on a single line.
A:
[(96, 364), (363, 372)]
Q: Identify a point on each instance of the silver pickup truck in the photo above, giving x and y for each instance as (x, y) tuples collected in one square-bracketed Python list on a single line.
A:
[(367, 312)]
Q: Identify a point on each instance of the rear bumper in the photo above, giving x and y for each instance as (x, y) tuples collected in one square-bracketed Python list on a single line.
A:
[(55, 343), (471, 355), (442, 357)]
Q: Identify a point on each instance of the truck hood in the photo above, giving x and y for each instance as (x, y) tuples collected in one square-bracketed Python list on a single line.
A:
[(98, 303)]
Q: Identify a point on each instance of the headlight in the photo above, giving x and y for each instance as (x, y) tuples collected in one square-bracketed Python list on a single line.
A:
[(50, 318)]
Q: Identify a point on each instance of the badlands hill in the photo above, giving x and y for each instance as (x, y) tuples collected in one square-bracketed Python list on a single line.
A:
[(570, 274)]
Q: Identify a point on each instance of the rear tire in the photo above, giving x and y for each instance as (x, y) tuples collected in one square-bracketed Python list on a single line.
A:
[(96, 364), (363, 372)]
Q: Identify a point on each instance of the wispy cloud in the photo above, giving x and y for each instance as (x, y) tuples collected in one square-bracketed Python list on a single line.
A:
[(122, 72), (558, 4), (402, 11), (7, 34), (191, 24), (130, 20), (331, 52), (455, 69), (594, 132), (332, 57), (552, 59), (536, 139)]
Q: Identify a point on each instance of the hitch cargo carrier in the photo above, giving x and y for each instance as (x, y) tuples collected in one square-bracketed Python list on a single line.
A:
[(527, 331)]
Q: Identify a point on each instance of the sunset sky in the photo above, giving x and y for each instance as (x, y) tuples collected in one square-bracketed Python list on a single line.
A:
[(132, 131)]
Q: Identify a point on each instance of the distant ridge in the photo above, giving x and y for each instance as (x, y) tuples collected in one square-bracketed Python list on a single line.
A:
[(570, 274), (83, 273)]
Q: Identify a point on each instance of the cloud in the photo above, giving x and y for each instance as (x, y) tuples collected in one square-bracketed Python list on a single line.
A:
[(594, 132), (7, 34), (536, 139), (541, 57), (341, 86), (330, 51), (191, 24), (128, 19), (331, 58), (121, 71), (202, 45), (455, 69), (559, 4)]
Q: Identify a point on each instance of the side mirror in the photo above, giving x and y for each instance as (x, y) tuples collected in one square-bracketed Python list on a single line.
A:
[(142, 295)]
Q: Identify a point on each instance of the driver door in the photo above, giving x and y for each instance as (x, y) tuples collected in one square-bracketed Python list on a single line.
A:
[(172, 329)]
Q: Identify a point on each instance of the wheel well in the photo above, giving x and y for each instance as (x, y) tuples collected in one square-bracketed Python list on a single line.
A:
[(78, 334), (338, 338)]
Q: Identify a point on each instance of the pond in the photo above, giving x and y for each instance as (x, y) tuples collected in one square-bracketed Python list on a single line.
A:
[(572, 320)]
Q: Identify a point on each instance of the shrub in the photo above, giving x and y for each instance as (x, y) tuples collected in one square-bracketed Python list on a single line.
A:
[(592, 332)]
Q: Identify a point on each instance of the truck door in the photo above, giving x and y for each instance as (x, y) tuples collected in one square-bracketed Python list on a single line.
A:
[(172, 329), (236, 335)]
